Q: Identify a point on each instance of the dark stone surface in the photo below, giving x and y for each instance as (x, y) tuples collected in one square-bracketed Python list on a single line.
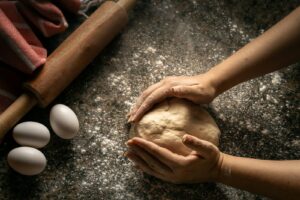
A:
[(258, 119)]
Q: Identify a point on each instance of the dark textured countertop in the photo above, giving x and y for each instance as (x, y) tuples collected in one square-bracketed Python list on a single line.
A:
[(259, 118)]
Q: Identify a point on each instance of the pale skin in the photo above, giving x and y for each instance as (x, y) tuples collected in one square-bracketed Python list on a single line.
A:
[(276, 48)]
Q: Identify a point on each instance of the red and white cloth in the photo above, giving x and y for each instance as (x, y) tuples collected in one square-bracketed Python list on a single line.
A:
[(19, 46)]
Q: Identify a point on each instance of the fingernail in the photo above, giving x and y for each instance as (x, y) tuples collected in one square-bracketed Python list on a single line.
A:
[(130, 119), (133, 118), (186, 138), (128, 143), (183, 139)]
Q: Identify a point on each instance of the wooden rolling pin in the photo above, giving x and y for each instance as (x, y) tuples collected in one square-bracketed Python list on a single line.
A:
[(68, 60)]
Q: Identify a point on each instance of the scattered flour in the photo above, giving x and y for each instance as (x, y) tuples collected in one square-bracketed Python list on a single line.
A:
[(276, 79)]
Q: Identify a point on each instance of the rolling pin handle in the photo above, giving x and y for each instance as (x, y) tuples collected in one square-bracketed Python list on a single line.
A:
[(94, 34), (15, 112)]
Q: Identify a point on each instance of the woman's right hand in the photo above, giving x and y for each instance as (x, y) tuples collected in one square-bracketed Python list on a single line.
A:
[(198, 89)]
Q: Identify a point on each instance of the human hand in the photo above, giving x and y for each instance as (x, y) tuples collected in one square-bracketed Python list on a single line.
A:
[(201, 165), (198, 89)]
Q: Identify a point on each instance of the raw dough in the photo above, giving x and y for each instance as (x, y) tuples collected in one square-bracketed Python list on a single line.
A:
[(167, 122)]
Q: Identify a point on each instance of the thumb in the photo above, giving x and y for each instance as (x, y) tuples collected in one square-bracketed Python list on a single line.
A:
[(204, 148)]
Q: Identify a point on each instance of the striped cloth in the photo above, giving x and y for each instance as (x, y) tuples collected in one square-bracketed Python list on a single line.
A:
[(19, 47)]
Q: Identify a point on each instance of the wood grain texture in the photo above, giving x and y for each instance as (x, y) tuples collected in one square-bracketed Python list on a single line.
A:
[(15, 112), (68, 60), (77, 51)]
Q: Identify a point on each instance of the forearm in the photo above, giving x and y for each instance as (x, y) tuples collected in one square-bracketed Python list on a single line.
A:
[(276, 48), (275, 179)]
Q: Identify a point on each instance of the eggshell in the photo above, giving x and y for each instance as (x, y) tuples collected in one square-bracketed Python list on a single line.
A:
[(64, 121), (31, 134), (27, 160)]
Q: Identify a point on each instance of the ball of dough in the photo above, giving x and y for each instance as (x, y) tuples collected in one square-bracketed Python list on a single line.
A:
[(169, 120)]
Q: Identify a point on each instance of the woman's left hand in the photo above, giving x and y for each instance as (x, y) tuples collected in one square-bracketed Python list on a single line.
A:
[(201, 165)]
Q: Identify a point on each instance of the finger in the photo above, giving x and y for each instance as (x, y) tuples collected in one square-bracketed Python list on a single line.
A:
[(151, 161), (128, 115), (202, 147), (144, 95), (142, 165), (135, 160), (164, 155), (131, 111), (155, 97), (138, 162), (188, 92)]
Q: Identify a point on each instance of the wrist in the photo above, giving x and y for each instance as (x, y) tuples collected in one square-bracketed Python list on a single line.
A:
[(222, 169), (215, 80), (206, 86)]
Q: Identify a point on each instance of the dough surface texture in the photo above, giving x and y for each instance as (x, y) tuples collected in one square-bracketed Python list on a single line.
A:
[(169, 120)]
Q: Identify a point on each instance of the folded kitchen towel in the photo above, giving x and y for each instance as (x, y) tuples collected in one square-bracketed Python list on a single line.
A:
[(19, 47)]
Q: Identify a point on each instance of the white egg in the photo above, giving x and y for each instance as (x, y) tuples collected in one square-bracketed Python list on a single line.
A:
[(31, 134), (27, 160), (64, 121)]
